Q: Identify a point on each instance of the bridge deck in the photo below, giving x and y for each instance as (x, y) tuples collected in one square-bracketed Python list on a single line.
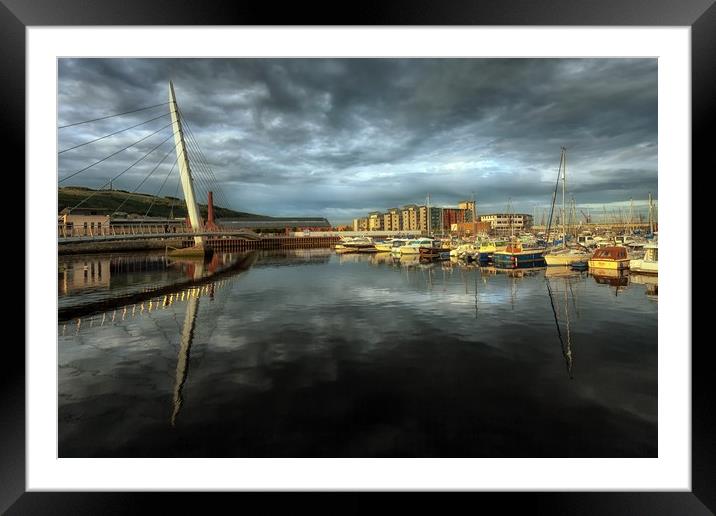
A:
[(154, 236)]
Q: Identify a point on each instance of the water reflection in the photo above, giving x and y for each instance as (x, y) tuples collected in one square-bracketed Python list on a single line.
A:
[(566, 341), (315, 354), (83, 273), (164, 278), (187, 336), (619, 279), (650, 281)]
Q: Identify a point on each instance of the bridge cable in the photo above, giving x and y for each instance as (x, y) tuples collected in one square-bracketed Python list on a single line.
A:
[(208, 178), (142, 181), (200, 154), (201, 183), (112, 134), (113, 154), (156, 196), (110, 116), (174, 198), (118, 175), (192, 136), (221, 197), (203, 162), (200, 168)]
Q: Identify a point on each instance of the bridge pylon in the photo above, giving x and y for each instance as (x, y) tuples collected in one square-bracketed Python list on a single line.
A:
[(187, 182)]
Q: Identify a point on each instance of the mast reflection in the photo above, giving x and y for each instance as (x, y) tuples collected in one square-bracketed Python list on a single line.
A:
[(564, 343)]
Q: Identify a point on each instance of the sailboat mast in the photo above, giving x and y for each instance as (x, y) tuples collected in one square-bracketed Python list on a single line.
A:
[(564, 189), (554, 200), (509, 216), (631, 215), (651, 216), (474, 216)]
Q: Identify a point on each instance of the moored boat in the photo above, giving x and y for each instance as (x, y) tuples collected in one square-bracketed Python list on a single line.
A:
[(413, 246), (516, 257), (487, 250), (385, 246), (434, 252), (650, 263), (396, 244), (565, 256), (610, 258), (463, 250), (351, 245)]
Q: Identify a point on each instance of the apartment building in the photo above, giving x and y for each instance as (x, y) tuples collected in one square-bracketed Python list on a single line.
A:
[(375, 221), (505, 223), (471, 209)]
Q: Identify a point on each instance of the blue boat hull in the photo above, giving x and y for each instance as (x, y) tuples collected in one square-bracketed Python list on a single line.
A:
[(485, 258), (518, 260)]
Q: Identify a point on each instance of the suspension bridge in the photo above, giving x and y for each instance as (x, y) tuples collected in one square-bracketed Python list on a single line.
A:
[(159, 137)]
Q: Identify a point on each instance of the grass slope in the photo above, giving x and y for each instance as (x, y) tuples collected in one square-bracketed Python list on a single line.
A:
[(137, 203)]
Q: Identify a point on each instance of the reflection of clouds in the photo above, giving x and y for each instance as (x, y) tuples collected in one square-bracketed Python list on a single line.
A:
[(281, 330)]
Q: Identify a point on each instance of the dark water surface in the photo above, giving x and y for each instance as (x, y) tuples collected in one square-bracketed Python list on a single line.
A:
[(307, 353)]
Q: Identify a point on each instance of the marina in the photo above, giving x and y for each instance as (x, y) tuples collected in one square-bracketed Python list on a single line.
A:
[(458, 303)]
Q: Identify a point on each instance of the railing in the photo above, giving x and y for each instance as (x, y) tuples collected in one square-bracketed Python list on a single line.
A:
[(146, 231), (67, 231)]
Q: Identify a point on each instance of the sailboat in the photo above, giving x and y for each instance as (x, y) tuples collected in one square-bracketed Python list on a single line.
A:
[(563, 255)]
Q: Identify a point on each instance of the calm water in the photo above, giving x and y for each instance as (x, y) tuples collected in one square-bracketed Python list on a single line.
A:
[(307, 353)]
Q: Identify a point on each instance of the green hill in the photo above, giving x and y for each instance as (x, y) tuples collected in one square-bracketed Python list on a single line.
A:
[(137, 203)]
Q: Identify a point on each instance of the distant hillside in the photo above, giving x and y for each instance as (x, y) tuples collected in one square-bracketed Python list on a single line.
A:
[(137, 203)]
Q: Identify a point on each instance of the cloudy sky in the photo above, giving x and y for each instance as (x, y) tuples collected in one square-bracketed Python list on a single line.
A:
[(341, 137)]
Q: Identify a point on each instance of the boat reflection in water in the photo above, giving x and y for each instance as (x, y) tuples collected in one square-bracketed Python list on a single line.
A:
[(618, 278), (381, 258), (409, 260), (651, 282)]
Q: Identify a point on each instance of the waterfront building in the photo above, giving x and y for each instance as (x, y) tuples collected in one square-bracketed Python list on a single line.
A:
[(360, 224), (467, 228), (375, 221), (413, 217), (82, 222), (436, 219), (505, 223), (387, 222), (471, 209), (422, 218), (455, 216), (395, 219), (277, 224), (409, 216)]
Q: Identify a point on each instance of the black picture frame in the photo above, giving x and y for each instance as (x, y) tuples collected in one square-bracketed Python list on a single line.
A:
[(700, 15)]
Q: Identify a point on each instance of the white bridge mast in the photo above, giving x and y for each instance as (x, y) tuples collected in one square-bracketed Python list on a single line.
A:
[(187, 183)]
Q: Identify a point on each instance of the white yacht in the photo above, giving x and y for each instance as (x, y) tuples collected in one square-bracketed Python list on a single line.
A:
[(413, 246), (649, 264), (396, 244)]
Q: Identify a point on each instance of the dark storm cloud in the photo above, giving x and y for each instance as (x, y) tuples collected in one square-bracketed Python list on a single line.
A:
[(340, 137)]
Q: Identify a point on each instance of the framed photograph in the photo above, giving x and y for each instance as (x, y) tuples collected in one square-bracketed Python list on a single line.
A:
[(412, 251)]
